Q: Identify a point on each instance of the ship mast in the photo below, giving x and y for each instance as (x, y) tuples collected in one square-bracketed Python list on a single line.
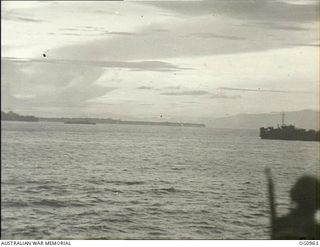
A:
[(282, 116)]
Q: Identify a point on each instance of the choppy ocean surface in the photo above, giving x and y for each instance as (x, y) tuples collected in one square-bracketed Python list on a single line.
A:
[(143, 182)]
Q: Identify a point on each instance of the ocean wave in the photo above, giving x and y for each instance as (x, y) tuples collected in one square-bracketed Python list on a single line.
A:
[(165, 190), (17, 204), (50, 203), (118, 182), (210, 190), (59, 203)]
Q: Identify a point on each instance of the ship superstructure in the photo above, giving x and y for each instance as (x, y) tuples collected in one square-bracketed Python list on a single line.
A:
[(289, 132)]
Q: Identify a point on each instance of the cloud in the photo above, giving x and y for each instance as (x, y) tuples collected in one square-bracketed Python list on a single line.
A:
[(120, 33), (191, 102), (146, 104), (83, 28), (307, 45), (70, 29), (51, 85), (275, 25), (185, 40), (138, 65), (27, 19), (282, 27), (145, 88), (190, 92), (245, 9), (73, 34), (91, 31), (212, 35), (174, 87), (75, 71), (10, 16), (161, 30), (225, 96), (257, 90), (150, 40), (104, 12), (62, 83)]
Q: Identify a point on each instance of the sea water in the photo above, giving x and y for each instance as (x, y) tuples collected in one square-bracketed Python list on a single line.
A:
[(109, 181)]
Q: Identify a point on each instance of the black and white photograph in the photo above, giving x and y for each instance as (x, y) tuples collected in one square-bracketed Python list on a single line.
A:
[(160, 120)]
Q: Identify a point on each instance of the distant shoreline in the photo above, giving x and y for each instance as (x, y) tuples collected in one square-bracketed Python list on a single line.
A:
[(112, 121), (11, 116)]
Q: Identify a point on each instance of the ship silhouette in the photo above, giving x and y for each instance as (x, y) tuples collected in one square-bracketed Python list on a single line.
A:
[(79, 122), (289, 132)]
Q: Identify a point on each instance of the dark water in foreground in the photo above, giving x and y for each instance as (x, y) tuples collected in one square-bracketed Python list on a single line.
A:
[(143, 182)]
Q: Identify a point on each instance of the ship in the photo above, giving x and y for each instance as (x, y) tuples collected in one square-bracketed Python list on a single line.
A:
[(79, 122), (289, 132)]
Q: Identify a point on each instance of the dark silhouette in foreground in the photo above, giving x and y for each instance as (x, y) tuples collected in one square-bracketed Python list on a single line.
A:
[(300, 223)]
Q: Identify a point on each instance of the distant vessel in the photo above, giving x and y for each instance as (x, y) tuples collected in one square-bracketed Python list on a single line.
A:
[(289, 132), (79, 122)]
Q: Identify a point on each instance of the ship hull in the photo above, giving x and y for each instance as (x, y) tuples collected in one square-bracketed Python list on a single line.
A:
[(79, 123), (289, 133)]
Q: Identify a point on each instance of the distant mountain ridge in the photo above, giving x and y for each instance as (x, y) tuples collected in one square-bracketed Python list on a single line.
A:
[(307, 119)]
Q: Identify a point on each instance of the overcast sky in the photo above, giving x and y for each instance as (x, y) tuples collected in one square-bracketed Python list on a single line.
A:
[(184, 60)]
